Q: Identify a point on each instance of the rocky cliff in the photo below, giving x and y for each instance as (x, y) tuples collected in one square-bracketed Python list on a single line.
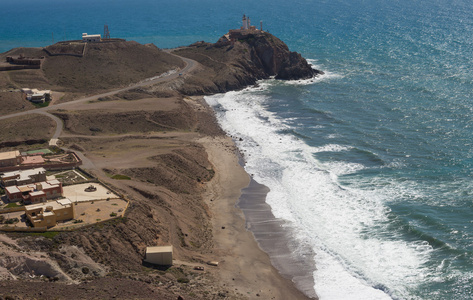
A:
[(241, 58)]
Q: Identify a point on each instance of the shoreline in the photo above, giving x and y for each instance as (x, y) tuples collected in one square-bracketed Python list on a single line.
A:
[(275, 238), (244, 267)]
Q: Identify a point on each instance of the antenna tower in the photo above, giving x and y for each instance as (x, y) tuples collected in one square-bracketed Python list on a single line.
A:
[(106, 33)]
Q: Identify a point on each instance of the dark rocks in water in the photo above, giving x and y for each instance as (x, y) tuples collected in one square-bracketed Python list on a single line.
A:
[(274, 57), (296, 67), (239, 59)]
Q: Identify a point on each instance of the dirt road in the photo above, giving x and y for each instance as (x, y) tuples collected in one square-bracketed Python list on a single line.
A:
[(190, 65)]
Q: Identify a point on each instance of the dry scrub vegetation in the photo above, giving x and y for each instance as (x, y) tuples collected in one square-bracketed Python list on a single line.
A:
[(108, 65), (25, 130), (152, 136)]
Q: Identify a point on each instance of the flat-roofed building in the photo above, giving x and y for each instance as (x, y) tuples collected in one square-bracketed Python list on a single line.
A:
[(37, 96), (10, 158), (31, 160), (159, 255), (48, 214), (35, 192), (91, 37), (26, 91), (23, 177)]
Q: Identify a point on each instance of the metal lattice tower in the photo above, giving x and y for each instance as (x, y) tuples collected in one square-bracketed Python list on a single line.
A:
[(106, 33)]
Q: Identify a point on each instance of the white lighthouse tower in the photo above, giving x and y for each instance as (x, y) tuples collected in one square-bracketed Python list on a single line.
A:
[(245, 23)]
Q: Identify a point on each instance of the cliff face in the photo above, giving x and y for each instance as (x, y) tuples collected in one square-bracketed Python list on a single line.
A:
[(240, 59), (273, 56)]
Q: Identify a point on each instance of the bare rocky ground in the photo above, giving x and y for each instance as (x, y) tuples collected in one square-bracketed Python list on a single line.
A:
[(153, 141), (24, 130), (153, 135), (134, 133)]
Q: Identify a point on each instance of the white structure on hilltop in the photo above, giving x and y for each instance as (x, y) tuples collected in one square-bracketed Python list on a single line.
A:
[(91, 37), (246, 22), (234, 35)]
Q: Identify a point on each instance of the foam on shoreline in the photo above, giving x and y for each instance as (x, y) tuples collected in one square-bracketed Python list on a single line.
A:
[(274, 236)]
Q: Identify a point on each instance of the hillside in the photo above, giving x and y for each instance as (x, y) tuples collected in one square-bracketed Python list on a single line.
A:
[(238, 60), (183, 175), (103, 66), (106, 65)]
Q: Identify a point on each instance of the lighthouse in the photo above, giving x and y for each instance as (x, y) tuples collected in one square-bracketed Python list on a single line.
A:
[(246, 22)]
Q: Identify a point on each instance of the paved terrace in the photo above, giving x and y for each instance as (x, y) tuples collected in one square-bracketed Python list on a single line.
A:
[(77, 193)]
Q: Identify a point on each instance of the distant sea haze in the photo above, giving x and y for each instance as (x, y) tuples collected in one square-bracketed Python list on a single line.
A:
[(371, 163)]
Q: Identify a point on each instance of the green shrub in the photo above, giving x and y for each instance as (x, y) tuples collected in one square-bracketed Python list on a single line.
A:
[(183, 280), (12, 221)]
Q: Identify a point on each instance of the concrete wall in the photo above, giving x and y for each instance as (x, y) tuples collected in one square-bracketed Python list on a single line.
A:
[(47, 166), (65, 213), (159, 255), (19, 67), (38, 217), (9, 162)]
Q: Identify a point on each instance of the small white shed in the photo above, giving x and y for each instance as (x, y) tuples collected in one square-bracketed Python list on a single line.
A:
[(91, 37), (159, 255)]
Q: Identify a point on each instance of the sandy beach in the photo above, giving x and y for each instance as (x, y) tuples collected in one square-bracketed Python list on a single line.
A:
[(275, 237), (184, 183), (244, 266)]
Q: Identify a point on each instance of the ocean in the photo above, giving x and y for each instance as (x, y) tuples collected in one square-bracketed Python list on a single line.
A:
[(369, 166)]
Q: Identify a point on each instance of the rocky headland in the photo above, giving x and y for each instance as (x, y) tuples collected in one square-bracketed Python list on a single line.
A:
[(184, 174), (238, 59)]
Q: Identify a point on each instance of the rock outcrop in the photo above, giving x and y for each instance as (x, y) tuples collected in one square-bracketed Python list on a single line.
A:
[(240, 58)]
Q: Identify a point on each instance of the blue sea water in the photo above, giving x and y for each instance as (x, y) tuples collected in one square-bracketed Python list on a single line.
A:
[(371, 163)]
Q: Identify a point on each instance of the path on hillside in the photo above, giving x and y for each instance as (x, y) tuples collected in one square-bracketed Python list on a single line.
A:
[(190, 65), (87, 163)]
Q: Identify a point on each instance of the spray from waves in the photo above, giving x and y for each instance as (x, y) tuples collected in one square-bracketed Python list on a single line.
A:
[(358, 255), (264, 84)]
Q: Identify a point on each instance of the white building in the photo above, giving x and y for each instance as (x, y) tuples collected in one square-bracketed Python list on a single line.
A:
[(247, 24), (37, 96), (159, 255), (23, 177), (91, 38)]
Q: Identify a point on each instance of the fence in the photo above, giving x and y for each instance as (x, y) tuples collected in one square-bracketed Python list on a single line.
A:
[(22, 229), (11, 209)]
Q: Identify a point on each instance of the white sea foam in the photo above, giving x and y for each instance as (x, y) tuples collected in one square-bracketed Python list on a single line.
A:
[(331, 148), (265, 84), (347, 227), (342, 168)]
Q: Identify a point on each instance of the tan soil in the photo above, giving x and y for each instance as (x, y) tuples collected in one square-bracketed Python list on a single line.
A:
[(185, 181), (108, 65), (24, 129), (12, 102)]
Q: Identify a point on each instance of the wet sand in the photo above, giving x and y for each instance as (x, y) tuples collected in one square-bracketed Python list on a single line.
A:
[(243, 267), (275, 237)]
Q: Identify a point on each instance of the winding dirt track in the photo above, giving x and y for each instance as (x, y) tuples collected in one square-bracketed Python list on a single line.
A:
[(190, 65)]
